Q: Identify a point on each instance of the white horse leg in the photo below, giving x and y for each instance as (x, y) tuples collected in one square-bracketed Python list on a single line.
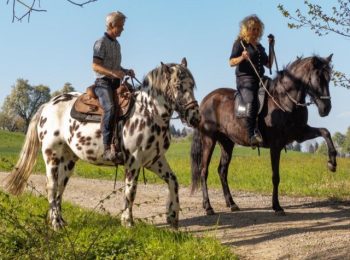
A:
[(54, 160), (131, 177), (66, 168), (162, 169)]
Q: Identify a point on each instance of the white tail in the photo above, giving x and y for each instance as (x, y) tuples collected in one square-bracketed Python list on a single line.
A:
[(16, 181)]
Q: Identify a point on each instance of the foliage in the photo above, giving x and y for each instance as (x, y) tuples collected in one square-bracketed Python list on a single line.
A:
[(296, 147), (65, 89), (25, 234), (23, 101), (302, 174), (311, 148), (324, 22), (346, 144)]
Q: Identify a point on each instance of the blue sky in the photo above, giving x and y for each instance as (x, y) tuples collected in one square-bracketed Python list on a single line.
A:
[(56, 47)]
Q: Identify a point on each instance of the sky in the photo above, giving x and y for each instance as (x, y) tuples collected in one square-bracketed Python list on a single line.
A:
[(55, 47)]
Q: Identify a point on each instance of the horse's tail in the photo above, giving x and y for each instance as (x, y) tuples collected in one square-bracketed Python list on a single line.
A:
[(16, 181), (196, 159)]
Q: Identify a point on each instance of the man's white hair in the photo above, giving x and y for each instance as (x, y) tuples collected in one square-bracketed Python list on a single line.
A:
[(113, 18)]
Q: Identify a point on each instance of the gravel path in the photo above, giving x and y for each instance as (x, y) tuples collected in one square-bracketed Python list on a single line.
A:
[(312, 229)]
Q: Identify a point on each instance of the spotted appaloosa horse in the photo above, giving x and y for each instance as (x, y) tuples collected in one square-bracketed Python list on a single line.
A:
[(282, 120), (144, 136)]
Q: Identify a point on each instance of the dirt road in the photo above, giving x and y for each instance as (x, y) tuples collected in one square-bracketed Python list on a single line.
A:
[(312, 228)]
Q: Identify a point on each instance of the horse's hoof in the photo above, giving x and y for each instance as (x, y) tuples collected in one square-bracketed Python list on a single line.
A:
[(280, 213), (58, 224), (234, 208), (127, 224), (210, 212), (174, 223), (331, 167)]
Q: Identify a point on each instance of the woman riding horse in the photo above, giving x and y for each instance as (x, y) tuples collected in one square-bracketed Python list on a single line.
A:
[(249, 57), (282, 120)]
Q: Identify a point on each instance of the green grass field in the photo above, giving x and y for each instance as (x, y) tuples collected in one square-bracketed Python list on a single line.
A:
[(302, 174)]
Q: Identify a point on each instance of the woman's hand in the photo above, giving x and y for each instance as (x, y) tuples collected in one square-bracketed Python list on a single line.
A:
[(245, 55)]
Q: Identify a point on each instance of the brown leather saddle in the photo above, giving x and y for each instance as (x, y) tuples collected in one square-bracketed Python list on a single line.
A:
[(88, 108)]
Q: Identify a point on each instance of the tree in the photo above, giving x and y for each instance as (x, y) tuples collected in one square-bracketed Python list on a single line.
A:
[(311, 148), (339, 139), (11, 122), (173, 131), (24, 100), (346, 144), (67, 87), (324, 22), (322, 149), (296, 147), (26, 9)]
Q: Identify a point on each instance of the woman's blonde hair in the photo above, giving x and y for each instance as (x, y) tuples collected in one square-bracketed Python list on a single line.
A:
[(248, 23)]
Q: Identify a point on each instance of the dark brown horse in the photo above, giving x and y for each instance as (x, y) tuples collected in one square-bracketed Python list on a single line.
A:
[(282, 120)]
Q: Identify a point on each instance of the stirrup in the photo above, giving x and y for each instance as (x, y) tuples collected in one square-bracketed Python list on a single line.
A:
[(258, 136)]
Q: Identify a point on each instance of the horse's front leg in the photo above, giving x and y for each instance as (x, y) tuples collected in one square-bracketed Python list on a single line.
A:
[(313, 132), (275, 154), (163, 170), (131, 177)]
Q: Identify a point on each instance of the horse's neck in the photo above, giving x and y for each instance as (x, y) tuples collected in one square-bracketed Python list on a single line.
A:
[(154, 102), (288, 92)]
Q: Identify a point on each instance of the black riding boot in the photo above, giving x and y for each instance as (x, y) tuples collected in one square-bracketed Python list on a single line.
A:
[(253, 133)]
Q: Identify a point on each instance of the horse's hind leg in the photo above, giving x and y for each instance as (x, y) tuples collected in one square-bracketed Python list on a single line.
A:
[(208, 143), (163, 170), (131, 177), (226, 146), (59, 166)]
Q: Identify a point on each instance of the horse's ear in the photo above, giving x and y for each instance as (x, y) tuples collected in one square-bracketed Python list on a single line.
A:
[(165, 68), (184, 62), (329, 58)]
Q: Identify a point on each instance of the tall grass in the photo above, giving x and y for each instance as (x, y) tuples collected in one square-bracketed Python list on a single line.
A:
[(302, 174), (24, 234)]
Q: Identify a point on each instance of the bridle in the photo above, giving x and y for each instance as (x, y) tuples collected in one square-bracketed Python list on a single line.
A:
[(307, 90), (181, 109)]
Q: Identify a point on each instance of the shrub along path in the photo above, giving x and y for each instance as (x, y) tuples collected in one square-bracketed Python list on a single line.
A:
[(312, 229)]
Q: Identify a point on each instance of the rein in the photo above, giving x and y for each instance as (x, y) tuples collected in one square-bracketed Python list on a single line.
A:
[(261, 81)]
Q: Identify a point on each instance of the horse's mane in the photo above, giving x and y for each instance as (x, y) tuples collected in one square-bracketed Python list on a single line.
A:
[(301, 68), (157, 79)]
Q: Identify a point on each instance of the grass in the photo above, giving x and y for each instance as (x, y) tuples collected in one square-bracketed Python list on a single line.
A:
[(302, 174), (24, 234)]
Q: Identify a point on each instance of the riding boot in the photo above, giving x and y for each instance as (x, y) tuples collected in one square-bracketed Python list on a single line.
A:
[(109, 153), (255, 137)]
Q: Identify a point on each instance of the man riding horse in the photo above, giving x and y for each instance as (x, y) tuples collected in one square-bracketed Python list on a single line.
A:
[(109, 73)]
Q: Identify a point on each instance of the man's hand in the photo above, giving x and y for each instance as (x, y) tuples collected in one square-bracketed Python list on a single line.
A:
[(119, 74)]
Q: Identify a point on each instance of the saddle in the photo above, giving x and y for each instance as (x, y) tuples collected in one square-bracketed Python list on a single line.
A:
[(240, 106), (87, 107)]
